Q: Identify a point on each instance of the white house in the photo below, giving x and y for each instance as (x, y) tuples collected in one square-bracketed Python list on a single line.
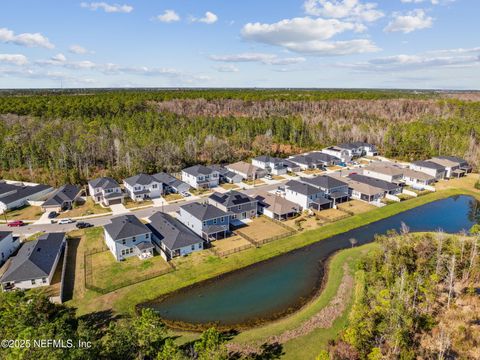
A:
[(349, 151), (272, 165), (454, 166), (143, 186), (384, 171), (35, 263), (246, 171), (430, 168), (127, 236), (417, 179), (105, 191), (306, 196), (8, 245), (15, 194), (201, 177)]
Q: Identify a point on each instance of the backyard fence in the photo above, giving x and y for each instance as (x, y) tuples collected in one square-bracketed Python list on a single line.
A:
[(89, 281), (257, 243), (225, 253), (64, 269)]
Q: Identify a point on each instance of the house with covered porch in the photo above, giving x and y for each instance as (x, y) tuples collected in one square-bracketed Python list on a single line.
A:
[(307, 196), (201, 177), (272, 165), (276, 207), (239, 205), (207, 221), (333, 188), (455, 167), (105, 191)]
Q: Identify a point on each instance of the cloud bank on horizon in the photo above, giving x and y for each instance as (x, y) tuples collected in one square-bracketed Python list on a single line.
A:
[(293, 43)]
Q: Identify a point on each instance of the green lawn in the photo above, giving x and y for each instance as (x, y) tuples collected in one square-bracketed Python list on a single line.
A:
[(202, 266), (24, 213)]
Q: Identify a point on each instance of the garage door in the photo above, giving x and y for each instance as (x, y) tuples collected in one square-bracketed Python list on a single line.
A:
[(115, 202)]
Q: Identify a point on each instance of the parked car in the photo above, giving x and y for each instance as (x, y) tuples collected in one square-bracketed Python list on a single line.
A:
[(65, 221), (268, 177), (52, 214), (16, 223), (185, 194), (83, 225)]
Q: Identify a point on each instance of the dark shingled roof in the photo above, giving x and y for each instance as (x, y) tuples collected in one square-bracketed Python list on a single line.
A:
[(231, 198), (35, 259), (125, 226), (203, 211), (4, 234), (63, 194), (429, 165), (452, 158), (172, 232), (169, 180), (104, 183), (198, 170), (140, 179), (323, 182), (302, 188), (385, 185), (20, 191), (267, 158)]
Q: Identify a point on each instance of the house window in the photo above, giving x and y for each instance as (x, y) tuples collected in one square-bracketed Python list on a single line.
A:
[(204, 223), (134, 238), (222, 219), (44, 280), (147, 236), (123, 242), (193, 247), (239, 207), (214, 221), (33, 281)]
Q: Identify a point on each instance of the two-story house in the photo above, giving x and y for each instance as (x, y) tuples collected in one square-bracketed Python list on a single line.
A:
[(205, 220), (333, 188), (35, 263), (227, 176), (200, 177), (143, 186), (349, 151), (170, 184), (127, 236), (105, 191), (240, 205), (272, 165), (172, 238), (430, 168), (315, 160), (8, 245), (307, 196)]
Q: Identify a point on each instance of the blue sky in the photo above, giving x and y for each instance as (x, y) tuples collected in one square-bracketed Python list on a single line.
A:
[(247, 43)]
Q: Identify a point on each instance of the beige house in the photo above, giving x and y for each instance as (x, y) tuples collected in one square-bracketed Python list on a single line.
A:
[(246, 170), (384, 171)]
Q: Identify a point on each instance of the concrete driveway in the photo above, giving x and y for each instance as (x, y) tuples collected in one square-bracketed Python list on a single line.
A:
[(118, 209)]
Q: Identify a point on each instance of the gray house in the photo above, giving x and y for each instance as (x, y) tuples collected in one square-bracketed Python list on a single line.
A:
[(62, 199), (240, 205), (8, 245), (105, 191), (207, 221), (334, 189), (17, 194), (143, 186), (227, 176), (171, 238), (314, 160), (35, 263), (387, 187), (200, 177), (171, 184)]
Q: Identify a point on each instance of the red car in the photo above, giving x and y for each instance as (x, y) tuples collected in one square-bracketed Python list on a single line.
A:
[(16, 223)]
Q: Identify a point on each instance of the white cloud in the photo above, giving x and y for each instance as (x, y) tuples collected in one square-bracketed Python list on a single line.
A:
[(168, 16), (227, 68), (268, 59), (79, 50), (343, 9), (307, 35), (108, 8), (413, 20), (433, 2), (14, 59), (25, 39), (452, 58), (208, 18), (59, 58)]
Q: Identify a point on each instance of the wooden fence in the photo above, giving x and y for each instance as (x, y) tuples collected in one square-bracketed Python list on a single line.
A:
[(225, 253)]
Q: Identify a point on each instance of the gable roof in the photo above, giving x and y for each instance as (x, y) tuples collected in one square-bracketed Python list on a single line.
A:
[(231, 198), (323, 182), (268, 159), (203, 211), (19, 191), (302, 188), (448, 161), (276, 204), (386, 169), (243, 167), (428, 164), (172, 232), (169, 180), (4, 234), (35, 259), (125, 226), (104, 183), (417, 175), (385, 185), (64, 193), (198, 170), (140, 179)]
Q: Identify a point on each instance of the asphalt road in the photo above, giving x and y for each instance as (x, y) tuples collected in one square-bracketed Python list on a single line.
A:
[(30, 229)]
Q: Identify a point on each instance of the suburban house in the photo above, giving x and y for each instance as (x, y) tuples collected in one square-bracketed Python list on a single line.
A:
[(240, 205), (247, 171), (171, 238), (143, 186), (127, 236), (454, 166), (388, 187), (345, 155), (62, 199), (200, 177), (272, 165), (170, 184), (365, 192), (35, 263), (315, 160), (227, 176), (207, 221), (8, 245), (430, 168), (15, 194), (333, 188), (385, 171), (417, 179), (105, 191), (349, 151), (291, 166), (307, 196), (275, 206)]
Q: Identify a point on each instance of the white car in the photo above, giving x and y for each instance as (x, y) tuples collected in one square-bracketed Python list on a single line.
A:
[(185, 194), (65, 221)]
